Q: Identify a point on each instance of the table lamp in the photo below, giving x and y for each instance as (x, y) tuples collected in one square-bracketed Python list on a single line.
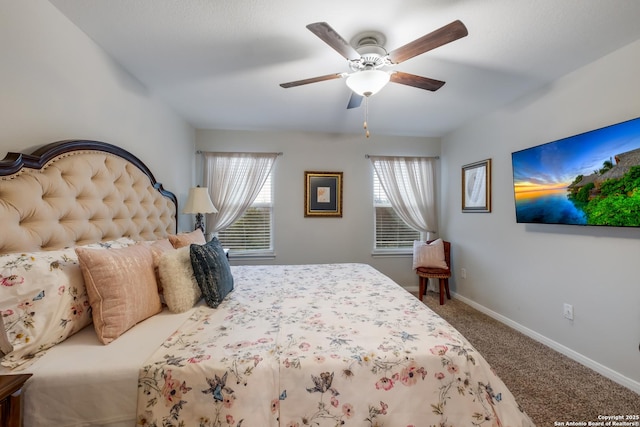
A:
[(199, 203)]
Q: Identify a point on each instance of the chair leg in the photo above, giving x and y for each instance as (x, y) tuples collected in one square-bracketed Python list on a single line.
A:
[(422, 288), (444, 288)]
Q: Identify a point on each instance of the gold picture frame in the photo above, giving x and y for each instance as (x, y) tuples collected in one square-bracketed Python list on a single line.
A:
[(476, 186), (322, 194)]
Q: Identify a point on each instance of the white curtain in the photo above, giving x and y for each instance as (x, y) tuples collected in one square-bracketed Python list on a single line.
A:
[(409, 183), (234, 180)]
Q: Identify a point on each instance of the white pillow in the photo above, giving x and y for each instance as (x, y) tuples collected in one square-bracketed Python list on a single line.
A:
[(179, 286), (429, 255)]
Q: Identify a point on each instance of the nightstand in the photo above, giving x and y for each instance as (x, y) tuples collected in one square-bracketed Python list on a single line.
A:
[(10, 399)]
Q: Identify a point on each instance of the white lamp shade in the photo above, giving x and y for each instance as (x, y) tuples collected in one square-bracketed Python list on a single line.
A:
[(199, 202), (367, 82)]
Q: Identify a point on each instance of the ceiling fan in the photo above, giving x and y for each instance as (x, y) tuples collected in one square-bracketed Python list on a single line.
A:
[(367, 57)]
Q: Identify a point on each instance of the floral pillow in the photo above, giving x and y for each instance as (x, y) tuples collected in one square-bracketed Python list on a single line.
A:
[(43, 301)]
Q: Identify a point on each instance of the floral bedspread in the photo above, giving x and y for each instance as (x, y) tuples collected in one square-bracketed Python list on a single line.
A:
[(320, 345)]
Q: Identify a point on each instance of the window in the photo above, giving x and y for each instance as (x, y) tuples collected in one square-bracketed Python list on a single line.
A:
[(252, 232), (241, 188), (391, 233)]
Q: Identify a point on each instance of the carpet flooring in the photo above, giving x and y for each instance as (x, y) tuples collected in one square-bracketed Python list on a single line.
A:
[(553, 389)]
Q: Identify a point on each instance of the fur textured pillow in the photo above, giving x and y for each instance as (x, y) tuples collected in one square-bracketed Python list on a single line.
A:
[(429, 255), (180, 289)]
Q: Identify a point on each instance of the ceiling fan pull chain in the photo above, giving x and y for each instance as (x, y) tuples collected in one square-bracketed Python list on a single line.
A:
[(366, 115)]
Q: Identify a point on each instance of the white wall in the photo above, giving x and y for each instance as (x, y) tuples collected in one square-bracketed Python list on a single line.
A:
[(56, 83), (315, 240), (524, 273)]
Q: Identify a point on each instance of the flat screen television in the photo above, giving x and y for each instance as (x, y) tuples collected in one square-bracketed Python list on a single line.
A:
[(588, 179)]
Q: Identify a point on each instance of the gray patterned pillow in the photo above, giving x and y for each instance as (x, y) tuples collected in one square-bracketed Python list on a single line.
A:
[(212, 271)]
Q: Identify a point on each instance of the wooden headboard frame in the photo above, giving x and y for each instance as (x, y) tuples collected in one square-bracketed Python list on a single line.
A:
[(75, 192)]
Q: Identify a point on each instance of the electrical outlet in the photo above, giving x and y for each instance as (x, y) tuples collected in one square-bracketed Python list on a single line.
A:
[(568, 311), (463, 273)]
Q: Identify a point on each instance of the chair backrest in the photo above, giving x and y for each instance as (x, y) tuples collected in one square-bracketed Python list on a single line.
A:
[(447, 252)]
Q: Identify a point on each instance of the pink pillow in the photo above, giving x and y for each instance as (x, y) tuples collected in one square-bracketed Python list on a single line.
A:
[(122, 288), (186, 239), (159, 248)]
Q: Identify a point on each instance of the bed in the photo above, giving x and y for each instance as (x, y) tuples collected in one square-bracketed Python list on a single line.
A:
[(284, 345)]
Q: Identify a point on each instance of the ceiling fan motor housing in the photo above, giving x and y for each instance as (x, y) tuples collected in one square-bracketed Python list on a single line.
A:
[(372, 54)]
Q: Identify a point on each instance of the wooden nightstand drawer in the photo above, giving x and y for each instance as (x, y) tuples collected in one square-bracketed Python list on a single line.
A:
[(10, 399)]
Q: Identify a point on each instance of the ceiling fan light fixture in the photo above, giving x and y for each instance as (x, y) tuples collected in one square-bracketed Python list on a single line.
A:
[(367, 82)]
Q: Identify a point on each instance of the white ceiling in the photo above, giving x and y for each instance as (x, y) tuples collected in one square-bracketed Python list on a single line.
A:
[(219, 63)]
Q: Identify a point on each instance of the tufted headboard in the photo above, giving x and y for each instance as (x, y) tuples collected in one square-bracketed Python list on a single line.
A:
[(76, 192)]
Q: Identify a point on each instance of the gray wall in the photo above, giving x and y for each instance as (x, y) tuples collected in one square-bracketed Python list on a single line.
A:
[(524, 273), (57, 84), (301, 240)]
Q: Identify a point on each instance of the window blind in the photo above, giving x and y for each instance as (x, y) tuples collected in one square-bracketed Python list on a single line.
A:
[(391, 231), (253, 230)]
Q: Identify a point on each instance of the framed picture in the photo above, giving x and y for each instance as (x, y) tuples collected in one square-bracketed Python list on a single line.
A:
[(476, 187), (323, 194)]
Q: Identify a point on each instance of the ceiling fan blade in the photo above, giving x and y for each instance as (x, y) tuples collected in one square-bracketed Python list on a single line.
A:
[(355, 101), (312, 80), (437, 38), (416, 81), (333, 39)]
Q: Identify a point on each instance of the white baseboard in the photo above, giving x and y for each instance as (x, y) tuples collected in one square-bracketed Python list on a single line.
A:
[(601, 369)]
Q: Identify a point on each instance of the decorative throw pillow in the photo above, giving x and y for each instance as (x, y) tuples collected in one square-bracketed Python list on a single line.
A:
[(122, 288), (44, 301), (158, 248), (429, 255), (212, 271), (185, 239), (180, 289)]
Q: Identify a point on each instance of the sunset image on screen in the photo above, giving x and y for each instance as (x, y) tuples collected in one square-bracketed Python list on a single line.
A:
[(588, 179)]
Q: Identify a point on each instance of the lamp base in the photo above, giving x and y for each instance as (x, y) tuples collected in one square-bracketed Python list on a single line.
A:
[(199, 222)]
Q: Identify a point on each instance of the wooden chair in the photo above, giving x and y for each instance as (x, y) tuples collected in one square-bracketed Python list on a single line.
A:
[(442, 274)]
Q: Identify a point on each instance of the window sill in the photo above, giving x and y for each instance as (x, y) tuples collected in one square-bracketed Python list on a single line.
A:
[(251, 255), (392, 253)]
